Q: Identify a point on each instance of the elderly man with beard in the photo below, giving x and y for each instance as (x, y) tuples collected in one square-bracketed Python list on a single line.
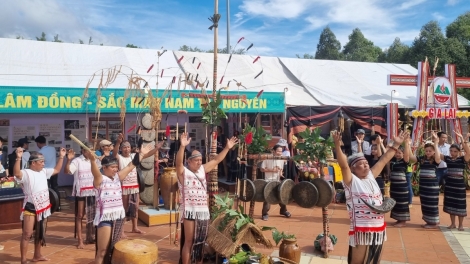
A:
[(194, 204), (367, 229), (36, 206), (130, 184)]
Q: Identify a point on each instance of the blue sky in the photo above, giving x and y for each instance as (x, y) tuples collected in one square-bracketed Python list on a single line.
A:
[(276, 27)]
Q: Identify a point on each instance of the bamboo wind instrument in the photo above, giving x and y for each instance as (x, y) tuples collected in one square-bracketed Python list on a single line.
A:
[(171, 208), (82, 145), (176, 240)]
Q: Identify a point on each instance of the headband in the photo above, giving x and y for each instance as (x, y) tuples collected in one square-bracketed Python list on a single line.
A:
[(111, 163), (36, 159), (195, 156), (355, 158), (125, 144)]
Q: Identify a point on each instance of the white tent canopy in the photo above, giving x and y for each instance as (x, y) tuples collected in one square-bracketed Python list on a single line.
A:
[(308, 82)]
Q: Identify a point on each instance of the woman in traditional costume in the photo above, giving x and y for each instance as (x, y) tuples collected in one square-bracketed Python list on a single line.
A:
[(455, 202), (367, 230), (109, 208), (376, 151), (428, 183), (194, 201), (399, 186)]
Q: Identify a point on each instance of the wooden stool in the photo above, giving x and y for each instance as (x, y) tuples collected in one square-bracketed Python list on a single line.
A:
[(135, 251)]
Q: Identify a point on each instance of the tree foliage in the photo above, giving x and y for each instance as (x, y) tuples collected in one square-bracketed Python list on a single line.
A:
[(221, 51), (132, 46), (360, 49), (396, 53), (305, 56), (42, 38), (328, 48)]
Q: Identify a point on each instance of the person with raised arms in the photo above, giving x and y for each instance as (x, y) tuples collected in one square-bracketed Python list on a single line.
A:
[(36, 206), (367, 231), (194, 204)]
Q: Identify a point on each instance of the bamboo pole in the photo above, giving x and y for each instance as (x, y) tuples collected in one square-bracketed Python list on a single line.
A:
[(213, 187)]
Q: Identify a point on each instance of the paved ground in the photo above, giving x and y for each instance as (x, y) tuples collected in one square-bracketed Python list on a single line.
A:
[(411, 244)]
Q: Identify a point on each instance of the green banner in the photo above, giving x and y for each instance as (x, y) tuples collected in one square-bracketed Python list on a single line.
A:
[(46, 100)]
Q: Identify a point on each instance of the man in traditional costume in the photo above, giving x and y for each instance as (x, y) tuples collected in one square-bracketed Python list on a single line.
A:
[(130, 184), (83, 191), (109, 208), (194, 201), (36, 206), (367, 229)]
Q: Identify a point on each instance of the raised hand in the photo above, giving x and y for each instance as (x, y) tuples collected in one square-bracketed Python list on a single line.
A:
[(89, 155), (232, 142), (400, 138), (378, 140), (19, 152), (184, 139), (458, 134), (359, 141), (70, 154), (337, 138), (120, 138), (434, 136), (145, 150), (62, 152)]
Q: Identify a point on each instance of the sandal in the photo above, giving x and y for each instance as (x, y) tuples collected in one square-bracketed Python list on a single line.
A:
[(286, 214)]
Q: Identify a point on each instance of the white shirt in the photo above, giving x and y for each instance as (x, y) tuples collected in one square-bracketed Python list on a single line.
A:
[(365, 147), (270, 164), (445, 150), (25, 160), (49, 154), (34, 184)]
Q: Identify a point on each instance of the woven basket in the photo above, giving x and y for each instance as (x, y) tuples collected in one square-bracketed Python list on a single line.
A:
[(222, 242)]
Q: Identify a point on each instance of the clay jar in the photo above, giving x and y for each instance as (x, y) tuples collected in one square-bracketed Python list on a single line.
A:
[(169, 184), (290, 250)]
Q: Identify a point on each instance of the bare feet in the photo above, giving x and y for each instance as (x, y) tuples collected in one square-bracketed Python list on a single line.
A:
[(461, 228), (80, 245), (451, 227), (138, 231), (426, 226), (123, 236), (40, 258), (410, 205)]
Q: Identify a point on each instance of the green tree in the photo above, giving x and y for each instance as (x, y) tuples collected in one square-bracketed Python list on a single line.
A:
[(56, 38), (306, 56), (19, 37), (361, 49), (430, 43), (42, 38), (132, 46), (396, 53), (460, 29), (328, 47), (189, 48), (224, 51), (80, 41)]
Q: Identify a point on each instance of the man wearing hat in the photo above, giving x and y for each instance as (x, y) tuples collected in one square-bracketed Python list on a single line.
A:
[(105, 149), (360, 145)]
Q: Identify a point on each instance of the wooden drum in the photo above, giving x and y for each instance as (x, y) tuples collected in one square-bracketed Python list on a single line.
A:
[(168, 184), (135, 251)]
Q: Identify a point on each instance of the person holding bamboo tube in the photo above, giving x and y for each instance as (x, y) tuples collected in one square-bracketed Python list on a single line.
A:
[(194, 200)]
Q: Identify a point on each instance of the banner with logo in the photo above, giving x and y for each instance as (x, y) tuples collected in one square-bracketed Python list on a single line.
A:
[(41, 100)]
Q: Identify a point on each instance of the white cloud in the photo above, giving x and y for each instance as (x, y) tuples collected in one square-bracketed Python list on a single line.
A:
[(239, 16), (437, 16), (411, 3), (452, 2), (276, 8)]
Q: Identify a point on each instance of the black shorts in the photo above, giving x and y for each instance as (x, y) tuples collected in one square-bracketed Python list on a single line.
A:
[(80, 199)]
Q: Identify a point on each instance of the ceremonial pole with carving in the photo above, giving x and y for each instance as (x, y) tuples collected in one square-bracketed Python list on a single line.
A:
[(213, 187)]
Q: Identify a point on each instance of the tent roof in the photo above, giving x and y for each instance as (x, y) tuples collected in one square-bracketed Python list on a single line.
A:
[(308, 82)]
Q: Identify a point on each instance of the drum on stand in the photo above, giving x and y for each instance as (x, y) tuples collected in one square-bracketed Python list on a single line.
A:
[(259, 189)]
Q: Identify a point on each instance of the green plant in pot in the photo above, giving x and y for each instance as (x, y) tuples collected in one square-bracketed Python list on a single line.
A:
[(317, 149), (288, 248), (255, 139)]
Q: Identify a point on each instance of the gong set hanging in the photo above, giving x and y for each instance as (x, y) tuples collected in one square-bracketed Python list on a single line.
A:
[(306, 194)]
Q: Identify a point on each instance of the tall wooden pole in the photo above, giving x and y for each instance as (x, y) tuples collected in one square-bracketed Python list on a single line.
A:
[(213, 175)]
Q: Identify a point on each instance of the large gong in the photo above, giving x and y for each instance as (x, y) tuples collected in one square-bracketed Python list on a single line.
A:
[(305, 194), (285, 191), (247, 190), (325, 192), (271, 192), (54, 198), (259, 187)]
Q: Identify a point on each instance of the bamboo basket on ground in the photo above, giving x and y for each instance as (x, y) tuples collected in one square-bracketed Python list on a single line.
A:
[(222, 243)]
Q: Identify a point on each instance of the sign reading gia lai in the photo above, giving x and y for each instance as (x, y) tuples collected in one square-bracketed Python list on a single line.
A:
[(41, 100)]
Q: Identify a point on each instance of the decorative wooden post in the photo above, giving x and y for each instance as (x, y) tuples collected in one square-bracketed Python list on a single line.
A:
[(213, 186)]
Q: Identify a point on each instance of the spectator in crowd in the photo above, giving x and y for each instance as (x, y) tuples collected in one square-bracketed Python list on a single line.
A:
[(24, 144), (49, 154), (360, 145)]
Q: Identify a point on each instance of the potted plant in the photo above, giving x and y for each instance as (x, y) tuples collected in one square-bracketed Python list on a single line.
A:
[(255, 140), (288, 248), (316, 149)]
